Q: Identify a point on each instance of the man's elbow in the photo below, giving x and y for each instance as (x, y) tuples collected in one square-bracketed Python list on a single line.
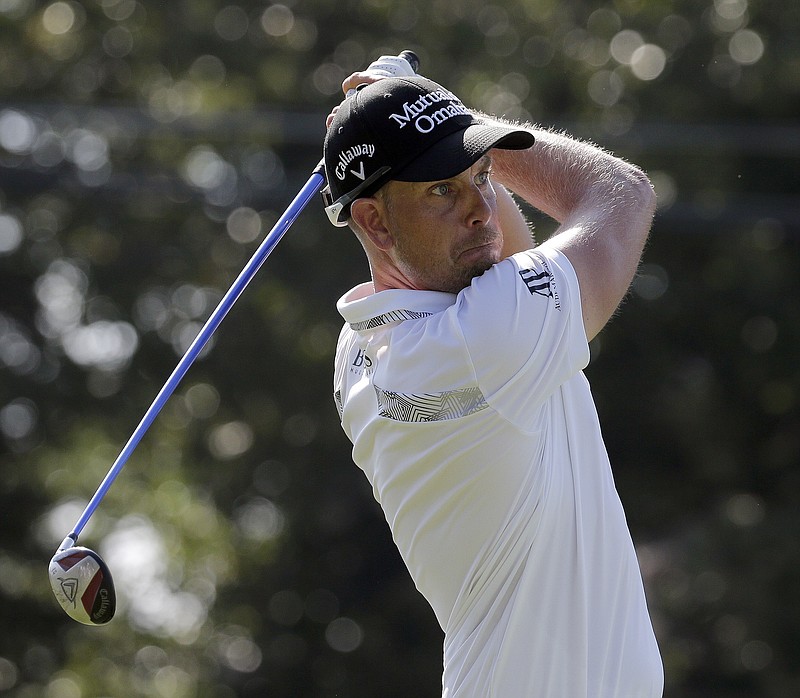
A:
[(644, 196)]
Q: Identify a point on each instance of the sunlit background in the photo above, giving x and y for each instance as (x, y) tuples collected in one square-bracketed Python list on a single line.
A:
[(146, 148)]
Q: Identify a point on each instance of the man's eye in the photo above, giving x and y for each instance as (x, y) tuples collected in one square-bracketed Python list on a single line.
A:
[(483, 177), (441, 189)]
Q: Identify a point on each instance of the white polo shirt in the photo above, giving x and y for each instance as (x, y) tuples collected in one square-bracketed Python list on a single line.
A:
[(473, 421)]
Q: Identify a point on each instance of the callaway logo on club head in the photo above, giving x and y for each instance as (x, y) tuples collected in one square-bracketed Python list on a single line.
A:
[(69, 586), (349, 155), (105, 605)]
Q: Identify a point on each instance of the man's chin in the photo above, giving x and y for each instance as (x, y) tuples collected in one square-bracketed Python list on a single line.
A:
[(468, 274), (481, 257)]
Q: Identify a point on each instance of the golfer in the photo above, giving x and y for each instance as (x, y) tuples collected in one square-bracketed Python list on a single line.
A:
[(458, 378)]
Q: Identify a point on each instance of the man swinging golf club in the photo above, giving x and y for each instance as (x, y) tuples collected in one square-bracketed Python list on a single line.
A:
[(458, 377)]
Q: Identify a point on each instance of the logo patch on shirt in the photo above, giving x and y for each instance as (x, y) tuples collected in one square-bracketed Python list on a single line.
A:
[(361, 364), (541, 283)]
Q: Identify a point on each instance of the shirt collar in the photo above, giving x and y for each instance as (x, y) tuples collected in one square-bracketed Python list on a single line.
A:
[(362, 308)]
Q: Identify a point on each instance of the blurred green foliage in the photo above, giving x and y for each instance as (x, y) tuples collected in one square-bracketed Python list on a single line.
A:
[(145, 149)]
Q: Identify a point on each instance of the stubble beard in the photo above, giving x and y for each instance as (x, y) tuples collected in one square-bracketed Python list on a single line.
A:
[(485, 236), (452, 278)]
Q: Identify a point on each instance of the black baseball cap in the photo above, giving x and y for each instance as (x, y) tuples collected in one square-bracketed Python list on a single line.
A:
[(409, 129)]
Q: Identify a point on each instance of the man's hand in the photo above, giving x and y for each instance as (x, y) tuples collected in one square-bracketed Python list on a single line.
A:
[(384, 67), (351, 83)]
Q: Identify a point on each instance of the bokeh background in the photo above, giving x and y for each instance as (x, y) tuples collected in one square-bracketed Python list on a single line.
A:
[(146, 148)]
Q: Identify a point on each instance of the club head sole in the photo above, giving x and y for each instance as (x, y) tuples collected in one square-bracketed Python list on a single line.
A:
[(82, 585)]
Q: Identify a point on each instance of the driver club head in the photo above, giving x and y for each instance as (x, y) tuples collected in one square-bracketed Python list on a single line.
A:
[(82, 585)]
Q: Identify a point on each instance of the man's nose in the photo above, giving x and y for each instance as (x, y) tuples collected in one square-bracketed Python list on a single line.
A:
[(481, 209)]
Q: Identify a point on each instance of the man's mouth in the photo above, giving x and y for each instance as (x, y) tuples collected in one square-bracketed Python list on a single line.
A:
[(478, 248)]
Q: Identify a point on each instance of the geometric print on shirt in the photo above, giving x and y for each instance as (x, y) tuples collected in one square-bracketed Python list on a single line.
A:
[(386, 318), (429, 407)]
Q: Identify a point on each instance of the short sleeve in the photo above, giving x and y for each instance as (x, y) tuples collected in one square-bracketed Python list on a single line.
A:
[(523, 329)]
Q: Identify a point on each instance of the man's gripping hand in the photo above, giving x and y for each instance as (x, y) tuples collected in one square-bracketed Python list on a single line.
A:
[(384, 67)]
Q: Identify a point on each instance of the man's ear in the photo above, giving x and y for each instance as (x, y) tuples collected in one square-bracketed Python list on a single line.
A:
[(369, 214)]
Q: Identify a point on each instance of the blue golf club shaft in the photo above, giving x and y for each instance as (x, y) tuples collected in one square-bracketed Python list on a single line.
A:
[(314, 184)]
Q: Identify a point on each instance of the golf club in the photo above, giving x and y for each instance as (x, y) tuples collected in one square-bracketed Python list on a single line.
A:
[(80, 580)]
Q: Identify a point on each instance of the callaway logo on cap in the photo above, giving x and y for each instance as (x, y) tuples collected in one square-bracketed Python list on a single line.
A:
[(405, 128)]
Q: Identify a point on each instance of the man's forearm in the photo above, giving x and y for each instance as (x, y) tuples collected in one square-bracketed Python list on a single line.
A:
[(561, 176), (604, 207)]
